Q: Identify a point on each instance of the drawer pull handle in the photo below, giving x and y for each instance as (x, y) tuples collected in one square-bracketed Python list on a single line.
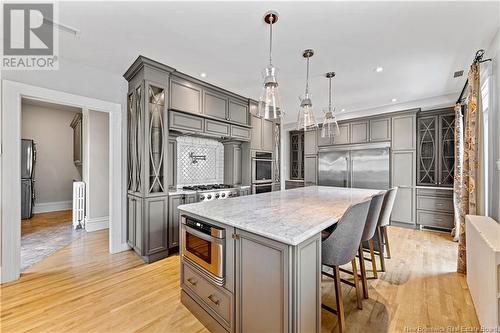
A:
[(192, 281), (214, 300)]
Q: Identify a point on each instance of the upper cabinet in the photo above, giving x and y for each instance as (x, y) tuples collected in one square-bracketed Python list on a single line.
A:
[(436, 141), (403, 132), (256, 141), (238, 112), (344, 135), (211, 102), (359, 132), (380, 129), (215, 105), (267, 135), (185, 96), (262, 132)]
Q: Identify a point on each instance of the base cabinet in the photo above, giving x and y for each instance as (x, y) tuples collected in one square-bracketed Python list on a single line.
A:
[(174, 201), (310, 170)]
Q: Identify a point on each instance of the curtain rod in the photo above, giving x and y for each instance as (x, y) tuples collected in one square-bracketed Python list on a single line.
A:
[(478, 59)]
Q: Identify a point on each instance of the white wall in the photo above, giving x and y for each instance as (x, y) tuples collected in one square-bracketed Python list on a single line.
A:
[(54, 168), (97, 162)]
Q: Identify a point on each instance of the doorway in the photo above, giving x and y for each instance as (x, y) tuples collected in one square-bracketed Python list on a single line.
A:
[(10, 165)]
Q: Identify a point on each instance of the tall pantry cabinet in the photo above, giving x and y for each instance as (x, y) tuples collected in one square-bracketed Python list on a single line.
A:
[(147, 178)]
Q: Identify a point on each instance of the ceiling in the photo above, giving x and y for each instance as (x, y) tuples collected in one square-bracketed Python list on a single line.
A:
[(419, 45)]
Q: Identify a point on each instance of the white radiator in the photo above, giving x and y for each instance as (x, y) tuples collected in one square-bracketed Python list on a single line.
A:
[(483, 268), (78, 205)]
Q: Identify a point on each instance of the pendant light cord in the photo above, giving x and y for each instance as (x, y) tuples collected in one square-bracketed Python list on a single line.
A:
[(307, 77), (271, 19), (330, 96)]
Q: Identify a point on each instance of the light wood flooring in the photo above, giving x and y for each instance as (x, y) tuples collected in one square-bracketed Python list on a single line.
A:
[(82, 288)]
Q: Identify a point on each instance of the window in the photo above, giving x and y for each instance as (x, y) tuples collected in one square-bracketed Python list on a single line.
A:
[(486, 104)]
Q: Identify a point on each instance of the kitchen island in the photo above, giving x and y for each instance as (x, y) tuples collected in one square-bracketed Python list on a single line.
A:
[(252, 264)]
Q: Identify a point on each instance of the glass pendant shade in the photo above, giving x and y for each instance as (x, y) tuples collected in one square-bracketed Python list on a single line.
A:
[(269, 102), (306, 120), (330, 126)]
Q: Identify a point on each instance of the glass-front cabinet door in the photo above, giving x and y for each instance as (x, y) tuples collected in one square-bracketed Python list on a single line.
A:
[(427, 146), (446, 149)]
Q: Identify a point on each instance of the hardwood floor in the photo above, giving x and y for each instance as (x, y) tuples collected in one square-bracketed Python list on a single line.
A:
[(82, 288), (44, 234)]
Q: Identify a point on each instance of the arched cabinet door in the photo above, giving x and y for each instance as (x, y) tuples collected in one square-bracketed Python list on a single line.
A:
[(446, 149), (427, 147)]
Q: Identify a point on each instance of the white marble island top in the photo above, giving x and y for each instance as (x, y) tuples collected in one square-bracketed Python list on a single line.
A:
[(290, 216)]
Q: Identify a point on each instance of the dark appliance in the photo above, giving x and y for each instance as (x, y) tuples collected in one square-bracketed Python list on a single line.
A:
[(262, 167), (28, 160)]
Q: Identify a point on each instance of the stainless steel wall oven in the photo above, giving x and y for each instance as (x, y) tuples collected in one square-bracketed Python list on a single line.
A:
[(262, 167)]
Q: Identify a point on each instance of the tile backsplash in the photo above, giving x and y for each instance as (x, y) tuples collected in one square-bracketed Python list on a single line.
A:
[(208, 171)]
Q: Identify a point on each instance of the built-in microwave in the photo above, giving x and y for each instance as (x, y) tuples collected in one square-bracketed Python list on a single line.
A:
[(262, 167), (204, 245)]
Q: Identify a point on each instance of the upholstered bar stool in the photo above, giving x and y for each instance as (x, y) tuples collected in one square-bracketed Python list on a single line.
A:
[(339, 247), (380, 241), (368, 233)]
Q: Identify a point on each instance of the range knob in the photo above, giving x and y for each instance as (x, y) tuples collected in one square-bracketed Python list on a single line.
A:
[(223, 195), (209, 196), (216, 195), (202, 197)]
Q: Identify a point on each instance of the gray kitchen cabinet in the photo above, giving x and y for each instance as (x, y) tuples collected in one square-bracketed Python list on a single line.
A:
[(256, 137), (217, 128), (242, 133), (148, 176), (435, 208), (215, 104), (174, 201), (404, 132), (344, 135), (359, 132), (267, 135), (134, 222), (310, 170), (185, 122), (380, 129), (238, 112), (268, 309), (76, 125), (185, 96), (245, 191), (310, 143), (232, 163), (403, 176), (278, 287), (172, 162)]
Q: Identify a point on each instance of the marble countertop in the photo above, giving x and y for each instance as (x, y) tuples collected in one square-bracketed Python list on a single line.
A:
[(290, 216)]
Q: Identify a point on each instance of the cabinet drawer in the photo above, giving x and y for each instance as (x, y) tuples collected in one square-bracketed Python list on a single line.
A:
[(434, 192), (213, 296), (435, 204), (435, 219), (181, 121), (240, 132), (216, 127)]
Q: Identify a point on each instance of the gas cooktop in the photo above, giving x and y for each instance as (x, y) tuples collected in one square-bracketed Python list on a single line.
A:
[(206, 187)]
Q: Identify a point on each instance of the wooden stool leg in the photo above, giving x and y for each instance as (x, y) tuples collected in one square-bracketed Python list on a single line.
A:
[(386, 243), (364, 281), (372, 255), (356, 284), (338, 299), (381, 250)]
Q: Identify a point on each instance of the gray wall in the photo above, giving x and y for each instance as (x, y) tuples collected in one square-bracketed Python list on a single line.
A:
[(49, 127), (98, 164)]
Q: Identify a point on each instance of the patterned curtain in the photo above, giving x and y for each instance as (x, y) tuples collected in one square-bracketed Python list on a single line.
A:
[(468, 156)]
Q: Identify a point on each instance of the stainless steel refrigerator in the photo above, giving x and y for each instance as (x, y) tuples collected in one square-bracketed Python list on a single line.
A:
[(28, 159), (358, 166)]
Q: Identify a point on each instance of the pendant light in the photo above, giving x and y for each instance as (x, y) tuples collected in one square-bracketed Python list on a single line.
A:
[(269, 101), (306, 120), (330, 126)]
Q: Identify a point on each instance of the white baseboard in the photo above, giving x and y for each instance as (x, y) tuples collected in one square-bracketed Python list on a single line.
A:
[(96, 223), (55, 206)]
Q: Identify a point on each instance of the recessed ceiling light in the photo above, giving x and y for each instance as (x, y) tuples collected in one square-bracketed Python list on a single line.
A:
[(394, 100), (203, 74), (379, 69), (342, 110)]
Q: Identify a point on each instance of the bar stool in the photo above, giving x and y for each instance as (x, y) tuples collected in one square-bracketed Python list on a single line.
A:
[(380, 241), (339, 246)]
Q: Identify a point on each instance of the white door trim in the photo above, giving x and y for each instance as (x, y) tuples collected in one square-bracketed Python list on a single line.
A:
[(10, 193)]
